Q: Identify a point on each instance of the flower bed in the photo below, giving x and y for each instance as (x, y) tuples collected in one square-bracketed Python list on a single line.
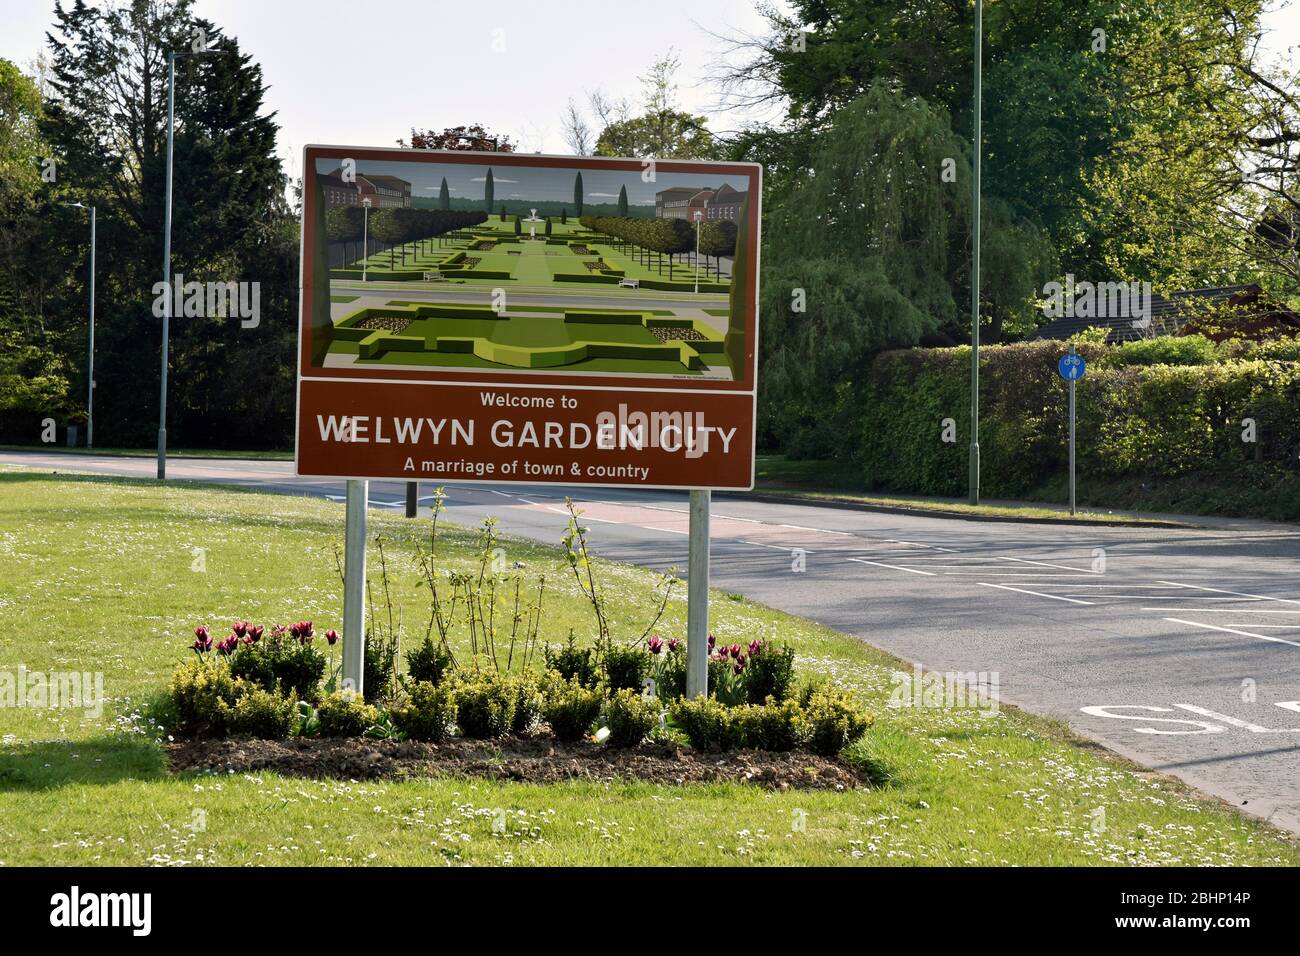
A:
[(273, 699)]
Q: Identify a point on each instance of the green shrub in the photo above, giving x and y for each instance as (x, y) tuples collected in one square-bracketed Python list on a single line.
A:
[(572, 663), (570, 708), (345, 714), (834, 720), (279, 662), (261, 713), (625, 667), (706, 721), (1165, 350), (630, 718), (428, 662), (769, 672), (427, 713), (485, 706), (201, 697), (773, 725), (379, 669), (528, 704)]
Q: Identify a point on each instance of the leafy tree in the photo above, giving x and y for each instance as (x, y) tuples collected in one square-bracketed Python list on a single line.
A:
[(345, 224), (717, 239), (472, 137), (661, 131), (106, 123)]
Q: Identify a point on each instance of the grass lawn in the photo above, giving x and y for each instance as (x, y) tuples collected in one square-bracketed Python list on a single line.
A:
[(108, 584)]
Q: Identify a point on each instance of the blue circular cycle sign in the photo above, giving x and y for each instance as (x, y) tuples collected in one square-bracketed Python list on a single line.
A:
[(1071, 367)]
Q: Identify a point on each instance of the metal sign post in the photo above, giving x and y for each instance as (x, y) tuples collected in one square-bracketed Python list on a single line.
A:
[(1072, 368), (412, 499), (354, 586), (697, 597)]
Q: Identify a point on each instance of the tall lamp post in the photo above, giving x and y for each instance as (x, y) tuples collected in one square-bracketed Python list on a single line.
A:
[(167, 252), (365, 236), (975, 267), (90, 363)]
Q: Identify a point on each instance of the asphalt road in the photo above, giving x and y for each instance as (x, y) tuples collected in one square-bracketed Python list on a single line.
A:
[(1179, 648)]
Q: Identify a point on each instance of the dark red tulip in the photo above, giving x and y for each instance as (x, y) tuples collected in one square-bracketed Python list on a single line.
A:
[(255, 632), (331, 637), (240, 628), (655, 644), (673, 644), (754, 647)]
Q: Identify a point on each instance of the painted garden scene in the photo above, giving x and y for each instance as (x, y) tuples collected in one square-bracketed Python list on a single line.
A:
[(456, 265)]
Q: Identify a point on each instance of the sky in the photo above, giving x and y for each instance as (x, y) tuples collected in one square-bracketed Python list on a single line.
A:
[(466, 182), (364, 73)]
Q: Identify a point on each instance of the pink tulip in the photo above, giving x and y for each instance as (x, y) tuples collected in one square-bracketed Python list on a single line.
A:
[(655, 644)]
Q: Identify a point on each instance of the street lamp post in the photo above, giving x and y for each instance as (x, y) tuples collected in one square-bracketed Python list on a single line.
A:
[(90, 362), (975, 267), (167, 254), (365, 236)]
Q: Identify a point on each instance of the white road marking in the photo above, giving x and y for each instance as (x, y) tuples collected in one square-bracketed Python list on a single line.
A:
[(734, 518), (501, 493), (774, 547), (1047, 564), (892, 567), (800, 527), (1259, 597), (1230, 630), (1219, 610), (665, 530), (1054, 597)]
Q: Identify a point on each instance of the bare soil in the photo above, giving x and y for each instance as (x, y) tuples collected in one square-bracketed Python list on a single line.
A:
[(538, 759)]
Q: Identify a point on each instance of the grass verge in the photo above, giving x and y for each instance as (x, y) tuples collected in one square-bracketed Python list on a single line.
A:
[(116, 582)]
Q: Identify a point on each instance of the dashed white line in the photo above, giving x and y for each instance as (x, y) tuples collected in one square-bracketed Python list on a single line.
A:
[(665, 530)]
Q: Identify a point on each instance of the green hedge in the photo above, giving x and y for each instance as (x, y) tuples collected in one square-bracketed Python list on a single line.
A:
[(1135, 423)]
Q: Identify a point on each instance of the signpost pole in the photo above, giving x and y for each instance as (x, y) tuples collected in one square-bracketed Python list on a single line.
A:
[(412, 499), (697, 596), (1072, 382), (354, 586)]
